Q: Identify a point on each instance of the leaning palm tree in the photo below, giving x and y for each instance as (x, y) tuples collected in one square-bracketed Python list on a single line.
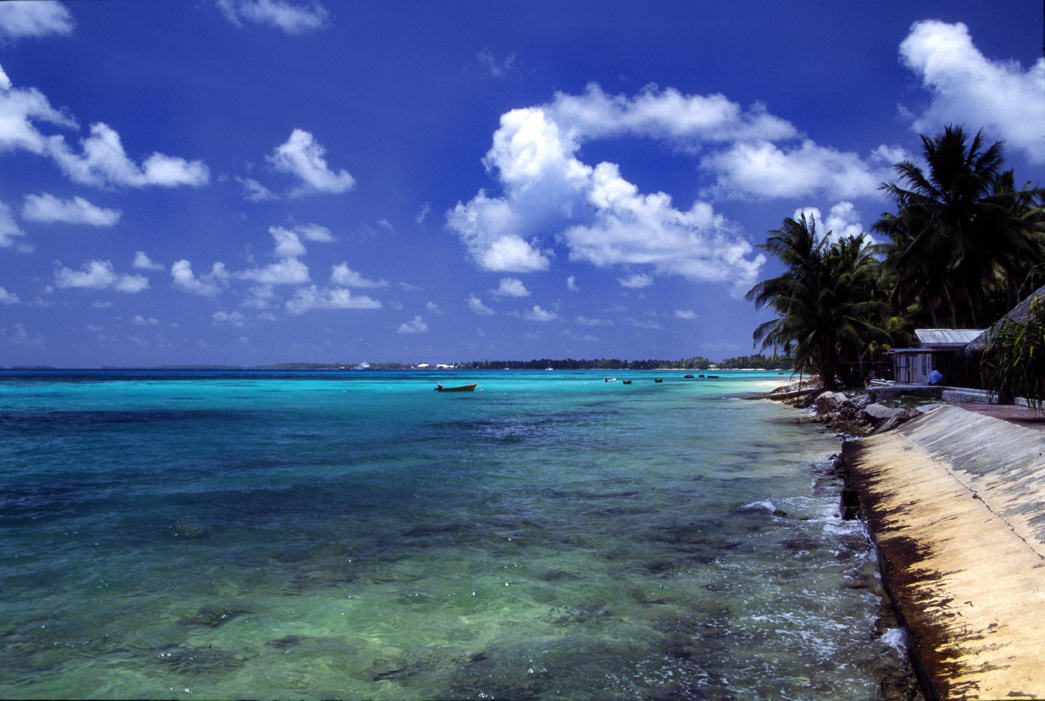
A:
[(827, 312), (797, 246), (954, 231)]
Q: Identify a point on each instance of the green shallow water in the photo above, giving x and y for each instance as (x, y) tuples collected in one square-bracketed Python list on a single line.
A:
[(356, 535)]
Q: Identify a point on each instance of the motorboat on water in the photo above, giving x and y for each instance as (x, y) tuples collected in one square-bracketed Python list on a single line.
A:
[(462, 388)]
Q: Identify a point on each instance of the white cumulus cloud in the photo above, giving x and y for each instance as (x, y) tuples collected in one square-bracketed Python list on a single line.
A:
[(312, 297), (288, 244), (46, 207), (21, 109), (289, 271), (104, 162), (842, 220), (101, 161), (496, 68), (143, 262), (260, 296), (291, 17), (665, 114), (601, 217), (99, 275), (234, 318), (208, 285), (511, 287), (538, 314), (10, 232), (8, 297), (967, 88), (415, 325), (256, 192), (476, 306), (305, 158), (34, 19), (342, 275), (764, 169), (636, 229), (315, 232), (636, 281)]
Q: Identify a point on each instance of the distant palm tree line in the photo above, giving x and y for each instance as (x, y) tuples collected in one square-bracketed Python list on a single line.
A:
[(749, 362), (964, 246)]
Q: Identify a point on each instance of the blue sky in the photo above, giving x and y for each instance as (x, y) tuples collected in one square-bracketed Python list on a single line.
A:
[(262, 181)]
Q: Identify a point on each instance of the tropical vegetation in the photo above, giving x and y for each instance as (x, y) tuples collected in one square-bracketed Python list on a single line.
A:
[(963, 246), (1014, 361), (758, 362)]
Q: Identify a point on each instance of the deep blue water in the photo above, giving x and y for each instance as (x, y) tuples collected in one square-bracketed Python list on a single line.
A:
[(357, 535)]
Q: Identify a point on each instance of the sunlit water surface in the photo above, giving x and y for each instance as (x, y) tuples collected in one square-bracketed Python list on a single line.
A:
[(357, 535)]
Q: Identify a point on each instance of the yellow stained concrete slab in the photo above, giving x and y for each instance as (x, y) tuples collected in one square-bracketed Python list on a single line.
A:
[(956, 503)]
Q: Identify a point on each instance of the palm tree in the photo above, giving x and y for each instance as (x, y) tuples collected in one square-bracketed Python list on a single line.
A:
[(825, 301), (855, 308), (798, 247), (1027, 209), (954, 232)]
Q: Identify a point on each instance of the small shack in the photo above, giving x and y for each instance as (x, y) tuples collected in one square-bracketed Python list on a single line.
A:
[(935, 349)]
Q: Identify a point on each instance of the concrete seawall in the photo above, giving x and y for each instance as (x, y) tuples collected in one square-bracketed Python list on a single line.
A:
[(955, 501)]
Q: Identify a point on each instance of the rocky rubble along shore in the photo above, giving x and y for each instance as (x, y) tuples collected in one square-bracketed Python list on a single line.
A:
[(855, 414), (851, 413)]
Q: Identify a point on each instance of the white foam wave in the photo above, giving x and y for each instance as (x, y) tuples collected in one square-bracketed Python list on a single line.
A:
[(896, 638), (764, 505)]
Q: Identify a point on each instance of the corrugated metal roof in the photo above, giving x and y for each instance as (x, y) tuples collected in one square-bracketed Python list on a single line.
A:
[(946, 337)]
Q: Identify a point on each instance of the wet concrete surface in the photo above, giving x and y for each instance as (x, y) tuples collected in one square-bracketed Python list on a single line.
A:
[(955, 500)]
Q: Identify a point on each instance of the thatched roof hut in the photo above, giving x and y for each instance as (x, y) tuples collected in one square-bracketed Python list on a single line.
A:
[(1020, 313)]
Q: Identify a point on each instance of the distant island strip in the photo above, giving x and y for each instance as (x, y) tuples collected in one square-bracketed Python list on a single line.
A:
[(749, 362)]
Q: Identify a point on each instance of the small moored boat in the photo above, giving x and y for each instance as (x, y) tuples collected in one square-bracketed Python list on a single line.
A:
[(462, 388)]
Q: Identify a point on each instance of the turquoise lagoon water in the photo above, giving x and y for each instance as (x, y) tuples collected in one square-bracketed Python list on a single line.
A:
[(357, 535)]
